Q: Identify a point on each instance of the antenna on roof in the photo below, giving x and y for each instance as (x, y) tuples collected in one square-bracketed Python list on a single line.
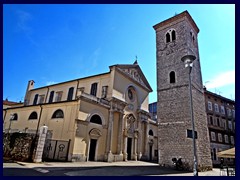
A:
[(175, 14)]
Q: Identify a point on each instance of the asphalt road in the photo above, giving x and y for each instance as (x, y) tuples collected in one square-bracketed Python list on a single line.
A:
[(94, 169)]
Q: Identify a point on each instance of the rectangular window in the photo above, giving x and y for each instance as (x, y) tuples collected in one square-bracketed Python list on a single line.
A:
[(104, 91), (216, 107), (226, 138), (93, 89), (219, 137), (233, 113), (224, 124), (209, 105), (211, 120), (222, 110), (213, 137), (215, 121), (232, 140), (41, 99), (229, 112), (230, 125), (58, 96)]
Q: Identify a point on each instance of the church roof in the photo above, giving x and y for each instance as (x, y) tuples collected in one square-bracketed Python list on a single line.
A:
[(134, 72)]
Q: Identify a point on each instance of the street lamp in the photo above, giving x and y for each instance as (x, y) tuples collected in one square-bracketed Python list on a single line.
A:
[(188, 61)]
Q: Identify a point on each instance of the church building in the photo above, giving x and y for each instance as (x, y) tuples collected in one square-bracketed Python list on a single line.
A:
[(103, 117)]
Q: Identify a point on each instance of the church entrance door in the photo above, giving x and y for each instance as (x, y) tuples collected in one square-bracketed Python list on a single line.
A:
[(92, 150), (129, 148)]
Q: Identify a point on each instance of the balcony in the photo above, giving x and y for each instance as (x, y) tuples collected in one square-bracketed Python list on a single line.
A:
[(94, 99)]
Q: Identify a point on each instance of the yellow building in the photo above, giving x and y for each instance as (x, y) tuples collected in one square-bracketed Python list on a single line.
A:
[(98, 118)]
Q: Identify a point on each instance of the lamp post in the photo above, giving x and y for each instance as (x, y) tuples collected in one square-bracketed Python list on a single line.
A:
[(188, 61)]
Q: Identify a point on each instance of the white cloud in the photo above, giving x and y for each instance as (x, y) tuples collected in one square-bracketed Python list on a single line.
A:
[(223, 79), (50, 83)]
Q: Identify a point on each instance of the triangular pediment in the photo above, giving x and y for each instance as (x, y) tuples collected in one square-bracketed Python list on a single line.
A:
[(134, 72)]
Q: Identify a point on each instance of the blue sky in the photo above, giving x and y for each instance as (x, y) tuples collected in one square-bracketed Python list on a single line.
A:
[(56, 43)]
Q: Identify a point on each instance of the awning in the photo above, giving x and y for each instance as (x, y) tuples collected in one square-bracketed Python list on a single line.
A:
[(229, 153)]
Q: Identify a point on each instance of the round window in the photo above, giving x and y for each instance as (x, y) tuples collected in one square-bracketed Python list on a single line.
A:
[(130, 94)]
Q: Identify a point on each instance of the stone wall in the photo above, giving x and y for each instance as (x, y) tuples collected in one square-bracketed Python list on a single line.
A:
[(17, 146)]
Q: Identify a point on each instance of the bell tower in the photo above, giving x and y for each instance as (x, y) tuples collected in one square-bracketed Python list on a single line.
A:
[(175, 38)]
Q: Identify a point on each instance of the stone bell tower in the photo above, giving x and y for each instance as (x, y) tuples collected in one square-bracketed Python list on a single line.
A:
[(175, 38)]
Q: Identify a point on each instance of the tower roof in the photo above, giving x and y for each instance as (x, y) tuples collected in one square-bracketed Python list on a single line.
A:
[(174, 18)]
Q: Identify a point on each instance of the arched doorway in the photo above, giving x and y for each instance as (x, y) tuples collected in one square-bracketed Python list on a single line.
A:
[(92, 150), (94, 135)]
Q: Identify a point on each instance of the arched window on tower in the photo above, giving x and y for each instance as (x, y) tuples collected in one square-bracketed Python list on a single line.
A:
[(173, 35), (172, 77), (167, 37), (150, 133)]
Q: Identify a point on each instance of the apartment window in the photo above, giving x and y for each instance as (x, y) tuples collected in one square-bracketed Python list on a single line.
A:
[(216, 107), (229, 112), (172, 77), (209, 105), (224, 124), (219, 137), (222, 110), (51, 97), (41, 99), (70, 93), (33, 115), (58, 114), (232, 140), (218, 122), (35, 99), (226, 138), (211, 120), (58, 96), (230, 125), (104, 91), (233, 113), (94, 89), (215, 121), (213, 136)]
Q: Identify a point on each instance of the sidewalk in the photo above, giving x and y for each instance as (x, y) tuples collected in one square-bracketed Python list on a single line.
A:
[(130, 168)]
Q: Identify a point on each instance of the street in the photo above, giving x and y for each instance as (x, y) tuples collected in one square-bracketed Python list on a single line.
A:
[(130, 168)]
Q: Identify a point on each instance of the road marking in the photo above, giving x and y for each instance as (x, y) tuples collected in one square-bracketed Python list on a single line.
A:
[(42, 170)]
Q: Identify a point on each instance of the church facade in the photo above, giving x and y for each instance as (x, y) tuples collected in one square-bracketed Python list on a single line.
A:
[(103, 117)]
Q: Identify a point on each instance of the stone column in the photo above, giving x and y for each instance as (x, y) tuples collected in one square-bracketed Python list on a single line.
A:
[(146, 140), (109, 137), (125, 141), (135, 145), (40, 144), (120, 134), (139, 150)]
